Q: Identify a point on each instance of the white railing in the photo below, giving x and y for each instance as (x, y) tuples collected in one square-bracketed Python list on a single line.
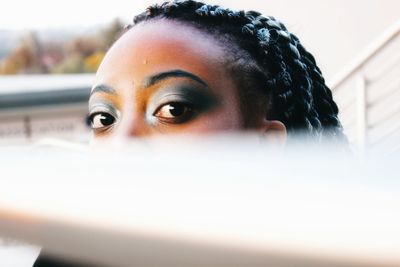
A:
[(33, 107), (368, 94)]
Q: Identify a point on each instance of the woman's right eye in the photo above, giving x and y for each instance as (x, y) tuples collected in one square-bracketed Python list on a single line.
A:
[(101, 120)]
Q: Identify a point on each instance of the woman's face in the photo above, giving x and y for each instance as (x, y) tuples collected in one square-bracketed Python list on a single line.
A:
[(163, 77)]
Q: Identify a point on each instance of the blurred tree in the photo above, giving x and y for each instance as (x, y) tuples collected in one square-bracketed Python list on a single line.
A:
[(111, 33), (8, 66), (25, 58), (84, 46), (93, 61), (80, 54), (52, 55), (71, 64)]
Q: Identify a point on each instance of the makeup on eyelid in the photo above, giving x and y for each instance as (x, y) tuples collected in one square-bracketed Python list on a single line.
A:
[(199, 98), (182, 98), (171, 102)]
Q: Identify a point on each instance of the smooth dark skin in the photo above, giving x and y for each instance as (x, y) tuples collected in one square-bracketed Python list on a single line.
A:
[(165, 77)]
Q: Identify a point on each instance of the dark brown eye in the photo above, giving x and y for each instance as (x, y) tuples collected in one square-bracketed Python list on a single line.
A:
[(101, 120), (174, 113)]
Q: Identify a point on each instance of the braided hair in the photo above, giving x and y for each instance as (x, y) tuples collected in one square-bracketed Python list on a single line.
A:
[(275, 59)]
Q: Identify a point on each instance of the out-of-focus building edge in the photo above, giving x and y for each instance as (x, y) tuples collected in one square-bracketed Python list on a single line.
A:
[(367, 93), (34, 107)]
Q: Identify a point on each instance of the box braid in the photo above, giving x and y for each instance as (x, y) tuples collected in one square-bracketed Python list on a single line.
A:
[(299, 97)]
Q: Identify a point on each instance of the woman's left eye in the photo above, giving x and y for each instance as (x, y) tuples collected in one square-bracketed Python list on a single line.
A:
[(101, 120), (174, 113)]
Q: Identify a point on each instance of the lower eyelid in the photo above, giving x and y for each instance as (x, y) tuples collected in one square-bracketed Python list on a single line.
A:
[(105, 130)]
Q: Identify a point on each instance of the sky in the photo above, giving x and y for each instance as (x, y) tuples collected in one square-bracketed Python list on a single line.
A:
[(335, 31), (23, 14)]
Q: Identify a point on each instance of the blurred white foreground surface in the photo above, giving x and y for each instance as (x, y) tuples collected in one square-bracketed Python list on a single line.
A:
[(14, 254), (212, 203)]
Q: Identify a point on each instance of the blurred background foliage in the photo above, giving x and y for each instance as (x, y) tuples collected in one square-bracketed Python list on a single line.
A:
[(79, 53)]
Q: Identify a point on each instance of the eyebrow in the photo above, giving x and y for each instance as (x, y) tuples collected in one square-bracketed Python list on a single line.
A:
[(173, 74), (103, 88)]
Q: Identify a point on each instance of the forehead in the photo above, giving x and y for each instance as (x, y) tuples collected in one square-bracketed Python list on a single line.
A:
[(158, 46)]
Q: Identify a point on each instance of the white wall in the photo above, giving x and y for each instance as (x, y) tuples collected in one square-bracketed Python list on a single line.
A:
[(335, 31)]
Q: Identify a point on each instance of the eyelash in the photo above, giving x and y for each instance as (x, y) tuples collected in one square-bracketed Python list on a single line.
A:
[(94, 120), (184, 113)]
